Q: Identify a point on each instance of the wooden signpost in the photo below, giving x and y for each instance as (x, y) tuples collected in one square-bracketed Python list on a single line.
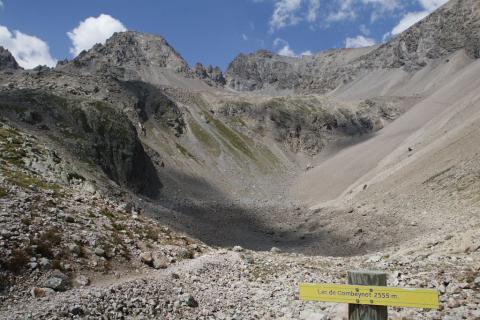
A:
[(368, 295)]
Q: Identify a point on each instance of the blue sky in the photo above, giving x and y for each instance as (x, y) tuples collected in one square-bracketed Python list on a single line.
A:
[(209, 31)]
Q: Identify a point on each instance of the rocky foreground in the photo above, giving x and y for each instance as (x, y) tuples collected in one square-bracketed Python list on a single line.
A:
[(238, 284), (72, 251)]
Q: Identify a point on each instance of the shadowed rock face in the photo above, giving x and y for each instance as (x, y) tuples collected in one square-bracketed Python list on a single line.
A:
[(454, 26), (92, 130), (7, 61), (152, 104)]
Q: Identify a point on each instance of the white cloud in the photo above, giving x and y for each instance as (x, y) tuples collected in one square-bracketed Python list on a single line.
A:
[(313, 7), (364, 29), (92, 31), (285, 49), (349, 9), (292, 12), (244, 37), (345, 12), (29, 51), (359, 42), (284, 14), (382, 8), (408, 20), (279, 42), (431, 5), (386, 36), (388, 5)]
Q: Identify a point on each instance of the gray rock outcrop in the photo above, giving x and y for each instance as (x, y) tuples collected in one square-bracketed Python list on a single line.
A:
[(211, 75), (7, 61), (129, 56)]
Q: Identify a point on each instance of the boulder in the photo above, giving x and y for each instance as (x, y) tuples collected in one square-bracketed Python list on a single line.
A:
[(55, 283), (160, 261), (37, 292), (82, 281), (188, 300), (147, 258), (238, 249), (275, 250), (99, 252)]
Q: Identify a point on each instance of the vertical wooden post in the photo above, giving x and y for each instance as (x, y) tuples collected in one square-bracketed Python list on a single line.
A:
[(367, 312)]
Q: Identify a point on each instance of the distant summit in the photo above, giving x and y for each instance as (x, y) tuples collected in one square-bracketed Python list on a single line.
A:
[(129, 55), (140, 56)]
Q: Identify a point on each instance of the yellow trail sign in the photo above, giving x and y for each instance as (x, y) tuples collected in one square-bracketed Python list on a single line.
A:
[(372, 295)]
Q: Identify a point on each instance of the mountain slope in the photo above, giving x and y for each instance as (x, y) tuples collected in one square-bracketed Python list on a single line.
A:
[(452, 27), (365, 157), (352, 163)]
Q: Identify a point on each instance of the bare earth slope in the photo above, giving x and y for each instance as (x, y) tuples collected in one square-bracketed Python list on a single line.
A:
[(351, 164)]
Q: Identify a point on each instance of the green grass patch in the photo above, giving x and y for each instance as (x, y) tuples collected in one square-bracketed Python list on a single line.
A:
[(11, 149), (238, 120), (118, 226), (185, 152), (17, 261), (205, 138), (100, 106), (262, 271), (24, 180), (234, 139), (3, 192), (272, 162), (107, 213), (152, 233), (48, 240), (8, 133)]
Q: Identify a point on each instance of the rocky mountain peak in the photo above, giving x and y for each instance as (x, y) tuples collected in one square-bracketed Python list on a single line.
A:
[(262, 53), (212, 75), (452, 27), (130, 56), (260, 70), (7, 61)]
